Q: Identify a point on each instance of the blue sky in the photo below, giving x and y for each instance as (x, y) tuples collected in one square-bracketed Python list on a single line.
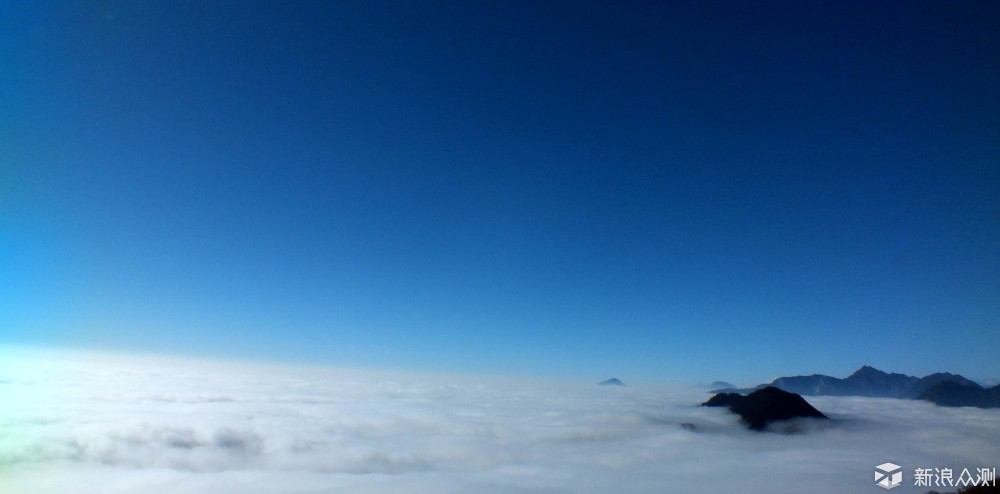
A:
[(661, 190)]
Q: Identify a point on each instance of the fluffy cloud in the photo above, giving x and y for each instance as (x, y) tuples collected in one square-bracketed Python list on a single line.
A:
[(81, 423)]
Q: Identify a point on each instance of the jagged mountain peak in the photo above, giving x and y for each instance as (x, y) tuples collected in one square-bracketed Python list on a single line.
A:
[(867, 370)]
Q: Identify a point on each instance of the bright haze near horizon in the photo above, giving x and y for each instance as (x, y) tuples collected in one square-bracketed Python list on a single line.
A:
[(682, 191)]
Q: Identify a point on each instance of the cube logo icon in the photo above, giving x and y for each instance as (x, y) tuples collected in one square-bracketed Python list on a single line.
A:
[(888, 475)]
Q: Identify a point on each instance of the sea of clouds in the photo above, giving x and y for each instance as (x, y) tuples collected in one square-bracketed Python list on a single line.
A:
[(76, 422)]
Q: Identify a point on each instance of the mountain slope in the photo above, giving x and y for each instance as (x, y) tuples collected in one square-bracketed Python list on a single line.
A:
[(953, 394), (933, 380)]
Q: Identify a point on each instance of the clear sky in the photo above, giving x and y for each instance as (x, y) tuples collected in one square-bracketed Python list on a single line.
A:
[(651, 190)]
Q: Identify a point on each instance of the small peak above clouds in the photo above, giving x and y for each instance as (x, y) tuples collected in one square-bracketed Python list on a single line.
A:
[(614, 381)]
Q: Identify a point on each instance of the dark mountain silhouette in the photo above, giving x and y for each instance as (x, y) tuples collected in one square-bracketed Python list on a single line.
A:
[(871, 382), (764, 406), (611, 382), (954, 394)]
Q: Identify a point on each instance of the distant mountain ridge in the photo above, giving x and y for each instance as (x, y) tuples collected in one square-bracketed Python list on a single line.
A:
[(943, 388)]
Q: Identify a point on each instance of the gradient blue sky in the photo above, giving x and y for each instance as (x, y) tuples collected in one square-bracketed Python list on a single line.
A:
[(652, 190)]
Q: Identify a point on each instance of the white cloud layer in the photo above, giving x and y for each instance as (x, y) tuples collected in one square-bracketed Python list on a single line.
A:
[(89, 423)]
